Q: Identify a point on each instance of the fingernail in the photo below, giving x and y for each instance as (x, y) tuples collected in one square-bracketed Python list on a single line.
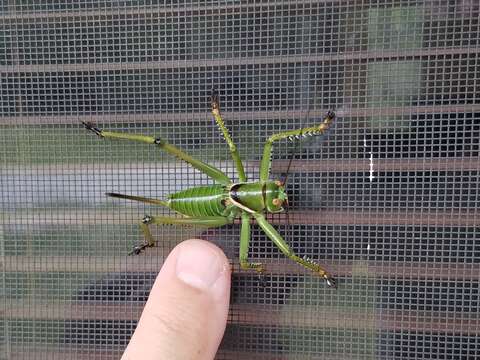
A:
[(199, 265)]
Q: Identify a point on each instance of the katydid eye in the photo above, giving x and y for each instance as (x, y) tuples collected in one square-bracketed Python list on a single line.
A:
[(277, 202)]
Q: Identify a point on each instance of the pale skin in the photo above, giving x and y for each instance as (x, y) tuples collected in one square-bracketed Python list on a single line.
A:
[(186, 313)]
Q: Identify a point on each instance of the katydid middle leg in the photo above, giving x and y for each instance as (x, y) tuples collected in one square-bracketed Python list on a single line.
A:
[(215, 104), (211, 221), (244, 244)]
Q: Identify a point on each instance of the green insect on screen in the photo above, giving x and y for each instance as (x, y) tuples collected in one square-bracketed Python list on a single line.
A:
[(387, 200)]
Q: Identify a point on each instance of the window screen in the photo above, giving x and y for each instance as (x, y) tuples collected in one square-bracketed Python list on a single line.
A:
[(387, 200)]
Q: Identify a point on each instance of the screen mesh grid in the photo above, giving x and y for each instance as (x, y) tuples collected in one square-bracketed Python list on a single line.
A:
[(388, 199)]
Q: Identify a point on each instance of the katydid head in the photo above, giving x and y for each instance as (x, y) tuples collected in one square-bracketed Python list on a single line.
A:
[(275, 196)]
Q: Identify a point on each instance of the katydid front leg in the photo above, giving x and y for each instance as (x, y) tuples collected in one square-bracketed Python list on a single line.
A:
[(292, 134), (284, 248)]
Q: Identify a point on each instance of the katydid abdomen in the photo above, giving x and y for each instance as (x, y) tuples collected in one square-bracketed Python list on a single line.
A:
[(200, 201), (205, 201)]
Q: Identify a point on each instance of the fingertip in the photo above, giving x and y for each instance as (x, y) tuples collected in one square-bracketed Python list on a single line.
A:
[(188, 305), (204, 266), (199, 244)]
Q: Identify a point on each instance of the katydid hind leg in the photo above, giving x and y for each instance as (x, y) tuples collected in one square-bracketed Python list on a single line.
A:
[(149, 240), (207, 169), (284, 248), (213, 221)]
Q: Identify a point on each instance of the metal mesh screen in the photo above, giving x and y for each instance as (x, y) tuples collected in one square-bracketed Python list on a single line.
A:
[(388, 200)]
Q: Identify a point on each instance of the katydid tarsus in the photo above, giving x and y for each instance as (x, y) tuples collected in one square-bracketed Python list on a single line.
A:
[(220, 204)]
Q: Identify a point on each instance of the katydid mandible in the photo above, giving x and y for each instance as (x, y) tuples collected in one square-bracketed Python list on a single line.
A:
[(220, 204)]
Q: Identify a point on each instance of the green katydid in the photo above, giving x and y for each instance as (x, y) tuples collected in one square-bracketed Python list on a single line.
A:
[(219, 204)]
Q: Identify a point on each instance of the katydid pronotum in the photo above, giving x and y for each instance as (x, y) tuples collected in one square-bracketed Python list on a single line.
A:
[(220, 204)]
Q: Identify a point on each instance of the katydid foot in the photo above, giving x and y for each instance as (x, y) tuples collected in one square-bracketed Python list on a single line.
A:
[(91, 126), (331, 282), (258, 267), (138, 249)]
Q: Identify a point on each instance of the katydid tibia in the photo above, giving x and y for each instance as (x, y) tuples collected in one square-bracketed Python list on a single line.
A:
[(220, 204)]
